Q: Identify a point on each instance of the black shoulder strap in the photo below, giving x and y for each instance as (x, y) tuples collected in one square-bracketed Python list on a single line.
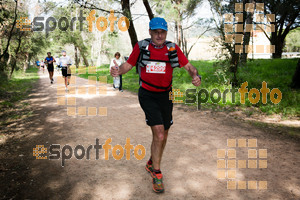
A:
[(168, 42), (143, 53), (173, 56), (144, 43)]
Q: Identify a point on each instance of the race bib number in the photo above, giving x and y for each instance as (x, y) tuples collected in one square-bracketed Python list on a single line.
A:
[(156, 68)]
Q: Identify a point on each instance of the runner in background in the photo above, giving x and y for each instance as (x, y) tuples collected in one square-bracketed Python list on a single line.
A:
[(49, 61), (37, 64), (42, 64), (65, 63), (117, 61)]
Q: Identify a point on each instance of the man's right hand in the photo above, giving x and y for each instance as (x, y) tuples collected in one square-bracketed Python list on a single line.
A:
[(114, 71)]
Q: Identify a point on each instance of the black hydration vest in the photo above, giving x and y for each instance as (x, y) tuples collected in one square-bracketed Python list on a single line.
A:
[(144, 59)]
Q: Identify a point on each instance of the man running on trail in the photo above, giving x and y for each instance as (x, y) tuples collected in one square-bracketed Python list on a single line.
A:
[(65, 62), (155, 59), (49, 61)]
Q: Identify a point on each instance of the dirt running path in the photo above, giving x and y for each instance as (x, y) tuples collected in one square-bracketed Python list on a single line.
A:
[(189, 163)]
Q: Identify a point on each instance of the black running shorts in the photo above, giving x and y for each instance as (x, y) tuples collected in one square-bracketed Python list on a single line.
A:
[(157, 107), (64, 71), (50, 68)]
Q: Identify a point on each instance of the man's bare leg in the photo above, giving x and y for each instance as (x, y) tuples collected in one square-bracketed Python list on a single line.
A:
[(51, 75), (66, 82), (165, 141), (158, 144)]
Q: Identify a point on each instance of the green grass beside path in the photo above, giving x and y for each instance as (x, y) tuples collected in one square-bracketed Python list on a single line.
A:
[(12, 94)]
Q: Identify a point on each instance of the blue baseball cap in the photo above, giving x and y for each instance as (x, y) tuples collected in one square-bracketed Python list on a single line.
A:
[(158, 23)]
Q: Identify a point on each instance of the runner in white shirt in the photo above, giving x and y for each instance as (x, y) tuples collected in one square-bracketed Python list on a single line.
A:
[(42, 64), (65, 63)]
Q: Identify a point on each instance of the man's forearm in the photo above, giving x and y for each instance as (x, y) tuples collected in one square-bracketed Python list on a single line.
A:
[(191, 69), (124, 68)]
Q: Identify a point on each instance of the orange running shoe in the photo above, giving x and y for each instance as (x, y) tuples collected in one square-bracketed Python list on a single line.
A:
[(149, 169), (158, 185)]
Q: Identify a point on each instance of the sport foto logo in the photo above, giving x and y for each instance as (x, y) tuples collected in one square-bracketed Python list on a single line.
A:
[(56, 152), (234, 27), (24, 24), (204, 95), (229, 164)]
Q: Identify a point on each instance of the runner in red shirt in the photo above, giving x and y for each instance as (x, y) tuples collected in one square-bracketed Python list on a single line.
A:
[(155, 59)]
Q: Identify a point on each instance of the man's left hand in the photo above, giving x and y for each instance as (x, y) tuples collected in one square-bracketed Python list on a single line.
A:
[(196, 81)]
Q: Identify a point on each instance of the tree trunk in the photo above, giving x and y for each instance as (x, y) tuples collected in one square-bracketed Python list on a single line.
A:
[(296, 78), (14, 63), (185, 51), (9, 57), (13, 66), (176, 32), (182, 38), (131, 31), (234, 67), (76, 57), (235, 58), (148, 8), (278, 47), (11, 30), (82, 53), (1, 48), (248, 19), (86, 62), (25, 67), (179, 29)]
